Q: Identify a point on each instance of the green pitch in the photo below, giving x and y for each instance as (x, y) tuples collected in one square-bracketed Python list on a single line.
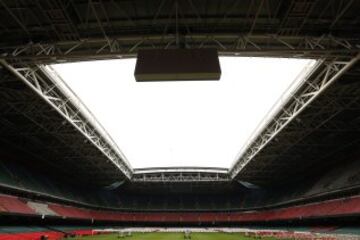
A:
[(172, 236)]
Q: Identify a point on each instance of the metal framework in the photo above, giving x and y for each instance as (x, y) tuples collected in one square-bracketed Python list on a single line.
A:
[(314, 84), (179, 176), (44, 84), (53, 31), (78, 30), (180, 169), (269, 45), (325, 133)]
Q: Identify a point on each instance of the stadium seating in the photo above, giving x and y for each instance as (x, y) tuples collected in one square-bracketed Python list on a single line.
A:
[(70, 212), (11, 204), (15, 176), (333, 208), (166, 209), (41, 208)]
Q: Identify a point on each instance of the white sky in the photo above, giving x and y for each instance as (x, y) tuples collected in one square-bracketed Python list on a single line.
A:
[(166, 124)]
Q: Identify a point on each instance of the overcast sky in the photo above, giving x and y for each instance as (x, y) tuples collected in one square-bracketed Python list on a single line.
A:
[(165, 124)]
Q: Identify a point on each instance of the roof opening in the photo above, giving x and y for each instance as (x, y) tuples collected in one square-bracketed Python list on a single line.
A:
[(168, 124)]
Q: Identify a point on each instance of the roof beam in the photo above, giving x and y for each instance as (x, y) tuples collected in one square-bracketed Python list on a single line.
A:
[(314, 84), (228, 44), (17, 20), (43, 83)]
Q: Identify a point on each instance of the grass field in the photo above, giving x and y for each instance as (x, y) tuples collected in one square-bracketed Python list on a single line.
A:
[(173, 236)]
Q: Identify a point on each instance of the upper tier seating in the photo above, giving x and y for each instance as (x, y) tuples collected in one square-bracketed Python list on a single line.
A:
[(41, 208), (14, 205), (70, 212)]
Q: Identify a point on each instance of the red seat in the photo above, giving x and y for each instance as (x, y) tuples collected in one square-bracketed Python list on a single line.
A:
[(14, 205)]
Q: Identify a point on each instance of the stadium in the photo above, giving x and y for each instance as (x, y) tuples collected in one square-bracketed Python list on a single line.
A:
[(169, 119)]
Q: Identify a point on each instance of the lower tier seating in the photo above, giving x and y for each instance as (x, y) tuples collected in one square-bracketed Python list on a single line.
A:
[(36, 233), (330, 208)]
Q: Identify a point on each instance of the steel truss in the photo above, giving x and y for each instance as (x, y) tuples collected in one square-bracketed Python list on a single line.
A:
[(46, 85), (42, 81), (270, 45), (265, 31), (181, 177), (316, 82)]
